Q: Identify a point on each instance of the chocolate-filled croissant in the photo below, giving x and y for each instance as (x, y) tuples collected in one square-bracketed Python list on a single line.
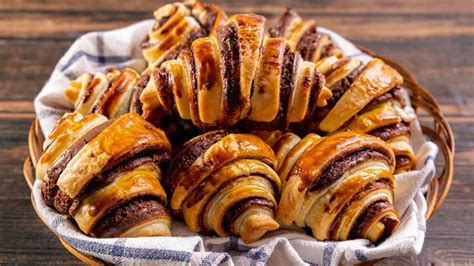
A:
[(176, 26), (224, 182), (237, 77), (106, 175), (340, 186)]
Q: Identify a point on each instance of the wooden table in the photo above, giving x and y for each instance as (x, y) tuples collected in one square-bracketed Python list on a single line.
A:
[(435, 39)]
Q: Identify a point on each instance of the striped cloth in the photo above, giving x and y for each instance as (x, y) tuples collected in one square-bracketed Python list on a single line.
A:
[(287, 246)]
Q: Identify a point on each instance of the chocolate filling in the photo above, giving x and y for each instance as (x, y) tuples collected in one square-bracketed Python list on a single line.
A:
[(136, 104), (188, 154), (402, 161), (233, 212), (187, 57), (338, 90), (164, 86), (328, 50), (368, 214), (390, 131), (318, 84), (230, 66), (308, 43), (287, 85), (125, 216), (283, 23), (339, 166)]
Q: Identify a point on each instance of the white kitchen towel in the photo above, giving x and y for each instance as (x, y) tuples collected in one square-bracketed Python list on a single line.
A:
[(97, 51)]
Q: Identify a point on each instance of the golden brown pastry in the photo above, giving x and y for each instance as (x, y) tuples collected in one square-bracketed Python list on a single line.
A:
[(340, 186), (106, 175), (304, 37), (224, 182), (176, 26), (237, 77)]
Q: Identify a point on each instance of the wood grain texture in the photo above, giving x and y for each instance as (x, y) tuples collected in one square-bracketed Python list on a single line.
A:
[(434, 39)]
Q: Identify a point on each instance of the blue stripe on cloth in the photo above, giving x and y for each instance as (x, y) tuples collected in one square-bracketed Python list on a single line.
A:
[(100, 44), (49, 112), (130, 252), (100, 59), (327, 253), (70, 75), (118, 250), (360, 255), (211, 259), (226, 258), (57, 222), (256, 255)]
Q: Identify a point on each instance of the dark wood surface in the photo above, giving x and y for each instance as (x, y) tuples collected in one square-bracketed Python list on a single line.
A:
[(434, 39)]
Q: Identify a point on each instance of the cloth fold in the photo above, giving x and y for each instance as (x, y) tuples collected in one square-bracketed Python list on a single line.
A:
[(98, 51)]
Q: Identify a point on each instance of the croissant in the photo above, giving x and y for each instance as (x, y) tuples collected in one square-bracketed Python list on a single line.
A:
[(224, 182), (340, 186), (176, 26), (237, 77), (106, 174)]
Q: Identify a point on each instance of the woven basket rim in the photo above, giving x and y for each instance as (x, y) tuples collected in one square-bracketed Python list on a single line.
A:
[(440, 132)]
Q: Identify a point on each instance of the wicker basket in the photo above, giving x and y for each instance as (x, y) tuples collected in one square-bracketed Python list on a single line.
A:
[(436, 128)]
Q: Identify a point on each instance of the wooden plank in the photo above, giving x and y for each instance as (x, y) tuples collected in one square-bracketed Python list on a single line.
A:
[(25, 239), (375, 27), (423, 7)]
